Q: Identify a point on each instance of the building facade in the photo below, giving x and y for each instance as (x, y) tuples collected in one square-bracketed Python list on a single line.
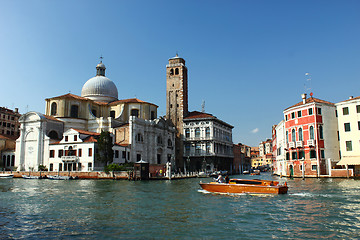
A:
[(9, 123), (208, 143), (97, 109), (348, 113), (311, 147)]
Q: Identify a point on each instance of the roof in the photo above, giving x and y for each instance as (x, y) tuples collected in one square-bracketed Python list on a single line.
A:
[(52, 118), (69, 95), (86, 132), (130, 100), (195, 115), (122, 144), (3, 137), (310, 100), (90, 139), (350, 99)]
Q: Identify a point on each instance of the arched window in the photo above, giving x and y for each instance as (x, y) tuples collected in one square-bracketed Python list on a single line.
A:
[(176, 71), (53, 109), (207, 132), (300, 134), (287, 137), (187, 132), (13, 160), (4, 160), (293, 135), (159, 140), (74, 111), (169, 143), (321, 134), (171, 71), (197, 132), (311, 132), (134, 112), (8, 161)]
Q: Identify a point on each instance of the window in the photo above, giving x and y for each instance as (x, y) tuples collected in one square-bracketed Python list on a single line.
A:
[(358, 125), (52, 153), (312, 154), (139, 138), (292, 115), (347, 127), (93, 112), (310, 110), (116, 153), (336, 114), (197, 148), (311, 132), (321, 134), (286, 117), (294, 155), (138, 157), (287, 137), (319, 111), (61, 153), (322, 153), (293, 135), (66, 138), (124, 154), (159, 159), (51, 167), (112, 114), (187, 149), (338, 135), (176, 71), (208, 147), (171, 71), (299, 114), (159, 140), (134, 112), (313, 167), (348, 145), (90, 152), (80, 152), (301, 154), (197, 132), (207, 131), (152, 115), (74, 111), (53, 109), (300, 134), (345, 111), (358, 108), (89, 166), (187, 132), (60, 167), (75, 138), (169, 143)]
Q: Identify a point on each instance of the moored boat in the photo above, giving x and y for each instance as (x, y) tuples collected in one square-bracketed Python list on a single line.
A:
[(30, 177), (246, 186), (57, 177), (6, 175)]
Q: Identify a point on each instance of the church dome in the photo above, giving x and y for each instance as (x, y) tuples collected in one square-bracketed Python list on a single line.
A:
[(100, 88)]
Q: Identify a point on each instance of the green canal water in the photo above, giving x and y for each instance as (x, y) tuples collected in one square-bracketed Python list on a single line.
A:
[(176, 209)]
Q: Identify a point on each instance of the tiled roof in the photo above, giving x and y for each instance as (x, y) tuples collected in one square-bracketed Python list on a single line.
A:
[(310, 100), (87, 132), (350, 99), (196, 114), (90, 139), (130, 100), (69, 95), (3, 137), (52, 118)]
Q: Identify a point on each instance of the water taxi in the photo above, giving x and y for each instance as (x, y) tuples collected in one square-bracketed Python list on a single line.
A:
[(246, 186)]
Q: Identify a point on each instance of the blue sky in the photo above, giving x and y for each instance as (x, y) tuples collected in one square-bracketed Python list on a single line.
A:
[(246, 59)]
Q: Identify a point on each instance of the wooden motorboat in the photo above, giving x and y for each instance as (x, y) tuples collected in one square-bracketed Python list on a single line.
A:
[(246, 186), (6, 175)]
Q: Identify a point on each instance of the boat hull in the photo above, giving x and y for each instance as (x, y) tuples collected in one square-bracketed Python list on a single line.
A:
[(4, 175), (243, 188)]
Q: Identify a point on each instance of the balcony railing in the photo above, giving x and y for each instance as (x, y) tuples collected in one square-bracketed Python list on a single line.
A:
[(70, 158), (291, 145), (299, 144), (311, 142)]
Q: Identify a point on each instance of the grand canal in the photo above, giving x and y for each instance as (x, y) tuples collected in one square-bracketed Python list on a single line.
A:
[(176, 209)]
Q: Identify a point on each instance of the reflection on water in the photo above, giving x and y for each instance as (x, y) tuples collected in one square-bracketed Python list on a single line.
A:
[(177, 209)]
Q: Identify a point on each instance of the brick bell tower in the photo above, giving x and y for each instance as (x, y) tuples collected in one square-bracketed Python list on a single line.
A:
[(177, 102)]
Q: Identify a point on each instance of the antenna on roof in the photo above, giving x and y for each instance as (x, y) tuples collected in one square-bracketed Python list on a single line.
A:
[(308, 79), (203, 106)]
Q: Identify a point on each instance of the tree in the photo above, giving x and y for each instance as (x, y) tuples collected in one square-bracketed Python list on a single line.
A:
[(105, 152)]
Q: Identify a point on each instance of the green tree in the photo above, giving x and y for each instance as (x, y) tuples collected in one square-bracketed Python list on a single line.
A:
[(105, 152)]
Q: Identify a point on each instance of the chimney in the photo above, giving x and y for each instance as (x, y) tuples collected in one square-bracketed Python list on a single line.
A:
[(303, 96), (16, 110), (351, 97)]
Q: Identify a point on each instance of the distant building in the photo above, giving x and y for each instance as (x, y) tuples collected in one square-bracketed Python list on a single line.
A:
[(9, 123), (279, 146), (348, 113), (208, 142), (242, 158)]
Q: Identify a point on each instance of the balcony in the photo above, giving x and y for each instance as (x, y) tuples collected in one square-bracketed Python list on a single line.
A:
[(70, 159), (291, 145), (311, 142), (299, 144)]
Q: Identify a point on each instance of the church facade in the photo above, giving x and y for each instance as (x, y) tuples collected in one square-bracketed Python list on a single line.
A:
[(137, 132)]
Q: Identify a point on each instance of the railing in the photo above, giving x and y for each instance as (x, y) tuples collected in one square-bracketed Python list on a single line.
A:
[(299, 144), (291, 144), (311, 142), (70, 158)]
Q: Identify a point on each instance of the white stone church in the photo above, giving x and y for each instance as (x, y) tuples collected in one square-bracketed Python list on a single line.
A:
[(65, 137)]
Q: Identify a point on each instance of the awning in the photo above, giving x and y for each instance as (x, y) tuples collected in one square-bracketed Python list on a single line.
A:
[(349, 161)]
